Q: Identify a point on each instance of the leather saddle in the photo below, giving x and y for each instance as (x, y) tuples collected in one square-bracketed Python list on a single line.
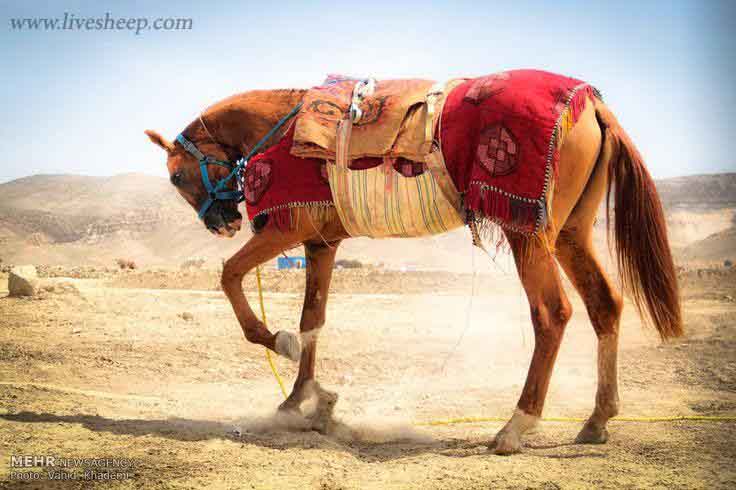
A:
[(387, 118)]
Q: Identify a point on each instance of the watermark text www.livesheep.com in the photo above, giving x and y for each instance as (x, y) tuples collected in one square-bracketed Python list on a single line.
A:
[(108, 22), (45, 467)]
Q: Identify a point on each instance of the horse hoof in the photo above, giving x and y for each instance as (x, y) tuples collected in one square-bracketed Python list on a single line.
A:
[(290, 408), (328, 399), (592, 434), (287, 345), (320, 423), (506, 443), (326, 402), (321, 419)]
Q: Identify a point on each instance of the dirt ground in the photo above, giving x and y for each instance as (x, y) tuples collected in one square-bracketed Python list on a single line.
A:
[(151, 367)]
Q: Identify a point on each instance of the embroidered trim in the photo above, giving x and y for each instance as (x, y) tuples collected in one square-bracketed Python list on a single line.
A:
[(541, 216), (483, 186)]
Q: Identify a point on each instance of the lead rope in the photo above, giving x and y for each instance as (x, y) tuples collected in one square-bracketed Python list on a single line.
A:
[(459, 420), (263, 319), (477, 420)]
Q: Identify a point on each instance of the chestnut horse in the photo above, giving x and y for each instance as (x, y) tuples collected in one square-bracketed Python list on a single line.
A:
[(596, 154)]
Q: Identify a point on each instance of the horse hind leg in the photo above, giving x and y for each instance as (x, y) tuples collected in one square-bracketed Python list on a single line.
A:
[(604, 305), (575, 253), (550, 312)]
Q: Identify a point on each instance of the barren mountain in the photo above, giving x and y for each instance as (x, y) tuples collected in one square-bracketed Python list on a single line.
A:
[(712, 191), (72, 220)]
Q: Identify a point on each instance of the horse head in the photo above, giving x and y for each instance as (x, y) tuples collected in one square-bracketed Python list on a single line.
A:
[(201, 174)]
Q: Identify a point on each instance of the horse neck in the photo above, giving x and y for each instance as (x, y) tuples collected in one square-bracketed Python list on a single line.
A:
[(242, 120)]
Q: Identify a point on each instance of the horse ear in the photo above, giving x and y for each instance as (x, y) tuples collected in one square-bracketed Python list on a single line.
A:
[(160, 140)]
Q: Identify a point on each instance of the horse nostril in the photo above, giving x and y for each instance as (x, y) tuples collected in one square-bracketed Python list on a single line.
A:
[(210, 224)]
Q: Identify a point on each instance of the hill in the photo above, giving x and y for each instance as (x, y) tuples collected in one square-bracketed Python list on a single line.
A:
[(75, 220)]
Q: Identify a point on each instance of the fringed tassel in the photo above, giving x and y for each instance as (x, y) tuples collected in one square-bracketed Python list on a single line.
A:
[(548, 221), (486, 230), (286, 218), (281, 219), (316, 215), (490, 212), (510, 211), (543, 241), (573, 110), (485, 201), (490, 232)]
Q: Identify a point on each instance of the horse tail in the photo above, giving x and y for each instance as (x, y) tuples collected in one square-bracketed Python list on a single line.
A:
[(642, 247)]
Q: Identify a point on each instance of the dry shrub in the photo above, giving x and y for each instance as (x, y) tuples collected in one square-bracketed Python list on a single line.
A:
[(128, 264), (348, 264)]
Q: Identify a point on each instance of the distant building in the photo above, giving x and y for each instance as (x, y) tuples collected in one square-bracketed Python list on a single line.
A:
[(291, 263)]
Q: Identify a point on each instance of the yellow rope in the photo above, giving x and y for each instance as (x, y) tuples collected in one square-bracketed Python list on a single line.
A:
[(476, 420), (263, 319), (671, 418)]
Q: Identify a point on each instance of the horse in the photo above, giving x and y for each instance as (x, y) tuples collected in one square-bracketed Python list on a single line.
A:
[(597, 161)]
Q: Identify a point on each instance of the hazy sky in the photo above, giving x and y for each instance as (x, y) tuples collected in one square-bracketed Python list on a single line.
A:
[(78, 101)]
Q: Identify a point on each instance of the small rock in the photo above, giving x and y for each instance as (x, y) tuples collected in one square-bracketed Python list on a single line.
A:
[(22, 281), (186, 316)]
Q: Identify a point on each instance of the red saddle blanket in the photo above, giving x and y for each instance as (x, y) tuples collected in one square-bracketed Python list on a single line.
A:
[(275, 181), (500, 136)]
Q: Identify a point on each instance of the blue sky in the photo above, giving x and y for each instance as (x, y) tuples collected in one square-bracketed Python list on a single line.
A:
[(78, 102)]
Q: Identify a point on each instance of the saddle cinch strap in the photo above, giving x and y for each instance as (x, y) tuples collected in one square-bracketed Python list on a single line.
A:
[(380, 202)]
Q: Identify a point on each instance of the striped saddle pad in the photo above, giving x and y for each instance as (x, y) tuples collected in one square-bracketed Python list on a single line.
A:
[(395, 196)]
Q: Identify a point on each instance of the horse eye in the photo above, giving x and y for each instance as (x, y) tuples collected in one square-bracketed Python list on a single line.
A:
[(177, 178)]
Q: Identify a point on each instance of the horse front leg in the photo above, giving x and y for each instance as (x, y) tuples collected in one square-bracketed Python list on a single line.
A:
[(320, 263), (260, 248)]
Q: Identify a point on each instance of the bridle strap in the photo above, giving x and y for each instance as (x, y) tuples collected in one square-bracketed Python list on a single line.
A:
[(273, 130), (215, 191), (190, 147)]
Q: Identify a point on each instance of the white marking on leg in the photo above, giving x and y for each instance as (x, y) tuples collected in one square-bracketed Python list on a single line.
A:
[(508, 440), (521, 422), (287, 345), (606, 399)]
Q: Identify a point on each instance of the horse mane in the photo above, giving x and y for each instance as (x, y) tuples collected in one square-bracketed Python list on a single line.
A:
[(255, 97), (257, 109)]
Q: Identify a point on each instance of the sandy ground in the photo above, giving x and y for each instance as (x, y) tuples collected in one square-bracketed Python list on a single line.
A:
[(118, 367)]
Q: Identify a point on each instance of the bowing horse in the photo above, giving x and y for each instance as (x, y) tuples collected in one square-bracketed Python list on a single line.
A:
[(522, 156)]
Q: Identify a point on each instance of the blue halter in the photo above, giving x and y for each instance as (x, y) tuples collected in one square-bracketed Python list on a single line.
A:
[(217, 191)]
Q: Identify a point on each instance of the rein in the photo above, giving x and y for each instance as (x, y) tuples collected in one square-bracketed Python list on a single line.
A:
[(216, 191)]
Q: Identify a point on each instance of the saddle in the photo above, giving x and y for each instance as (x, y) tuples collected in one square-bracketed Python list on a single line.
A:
[(389, 119), (378, 153), (386, 173)]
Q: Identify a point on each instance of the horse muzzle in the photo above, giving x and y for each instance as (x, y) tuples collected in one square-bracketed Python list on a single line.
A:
[(223, 221)]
